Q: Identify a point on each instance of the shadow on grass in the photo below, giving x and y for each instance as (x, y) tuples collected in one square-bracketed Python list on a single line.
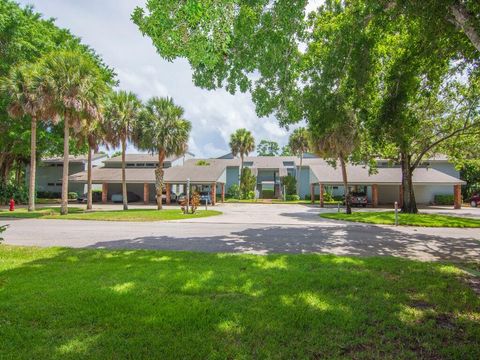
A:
[(57, 303)]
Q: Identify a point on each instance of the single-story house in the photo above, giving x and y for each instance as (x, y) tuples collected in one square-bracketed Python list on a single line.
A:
[(435, 176)]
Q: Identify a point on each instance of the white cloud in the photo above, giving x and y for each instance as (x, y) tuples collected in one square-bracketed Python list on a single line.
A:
[(106, 26)]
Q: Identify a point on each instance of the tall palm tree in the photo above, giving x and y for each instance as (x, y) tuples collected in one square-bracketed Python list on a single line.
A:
[(242, 143), (298, 143), (25, 101), (73, 86), (337, 143), (122, 112), (161, 129), (93, 135)]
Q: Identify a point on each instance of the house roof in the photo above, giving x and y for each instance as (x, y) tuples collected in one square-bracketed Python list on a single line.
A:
[(139, 158), (177, 175), (73, 158), (326, 174)]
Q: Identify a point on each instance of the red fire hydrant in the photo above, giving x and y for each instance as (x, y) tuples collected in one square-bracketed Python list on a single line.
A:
[(12, 204)]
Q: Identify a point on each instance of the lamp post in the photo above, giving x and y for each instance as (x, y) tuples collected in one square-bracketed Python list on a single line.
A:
[(188, 193)]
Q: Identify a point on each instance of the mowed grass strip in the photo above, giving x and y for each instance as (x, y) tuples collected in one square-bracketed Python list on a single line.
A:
[(97, 304), (108, 215), (388, 218)]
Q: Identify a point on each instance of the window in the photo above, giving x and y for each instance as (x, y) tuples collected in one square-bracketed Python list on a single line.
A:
[(130, 165), (248, 163), (58, 184), (51, 184), (288, 163), (150, 165)]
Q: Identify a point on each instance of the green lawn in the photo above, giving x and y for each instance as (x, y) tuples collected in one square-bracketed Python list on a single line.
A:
[(114, 215), (97, 304), (388, 218)]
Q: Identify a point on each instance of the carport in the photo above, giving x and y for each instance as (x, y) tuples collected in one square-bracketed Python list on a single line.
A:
[(385, 185)]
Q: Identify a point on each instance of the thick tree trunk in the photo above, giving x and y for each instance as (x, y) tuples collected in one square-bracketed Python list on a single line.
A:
[(89, 180), (124, 180), (159, 179), (464, 19), (33, 165), (348, 204), (66, 151), (409, 204)]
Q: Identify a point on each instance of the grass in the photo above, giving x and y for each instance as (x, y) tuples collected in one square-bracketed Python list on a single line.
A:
[(111, 215), (388, 218), (97, 304)]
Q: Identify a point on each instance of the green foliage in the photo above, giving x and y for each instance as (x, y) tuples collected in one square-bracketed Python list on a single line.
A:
[(202, 163), (290, 184), (248, 183), (355, 305), (293, 197), (234, 192), (444, 199), (286, 151), (48, 194), (19, 193), (242, 143), (72, 195), (299, 141), (471, 174), (268, 148), (161, 128), (268, 194), (388, 218)]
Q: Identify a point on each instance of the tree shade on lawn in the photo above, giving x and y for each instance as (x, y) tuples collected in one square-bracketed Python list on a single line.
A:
[(388, 218), (100, 304)]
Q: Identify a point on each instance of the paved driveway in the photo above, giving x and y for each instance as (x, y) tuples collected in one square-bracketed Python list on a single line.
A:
[(254, 228)]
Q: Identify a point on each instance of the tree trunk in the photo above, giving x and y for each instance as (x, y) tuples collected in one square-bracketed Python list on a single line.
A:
[(409, 204), (89, 180), (346, 190), (124, 180), (464, 19), (33, 165), (66, 150), (298, 174), (159, 178)]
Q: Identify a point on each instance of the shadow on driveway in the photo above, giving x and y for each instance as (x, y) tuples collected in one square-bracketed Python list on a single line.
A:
[(352, 239)]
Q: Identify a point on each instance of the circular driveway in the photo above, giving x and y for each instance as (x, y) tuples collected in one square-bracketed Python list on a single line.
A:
[(254, 228)]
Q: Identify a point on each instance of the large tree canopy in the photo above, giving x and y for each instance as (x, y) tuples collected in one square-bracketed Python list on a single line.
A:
[(24, 37)]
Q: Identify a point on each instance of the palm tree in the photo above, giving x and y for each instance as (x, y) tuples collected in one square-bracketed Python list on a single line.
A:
[(93, 135), (298, 143), (122, 113), (337, 142), (161, 129), (72, 85), (24, 101), (242, 143)]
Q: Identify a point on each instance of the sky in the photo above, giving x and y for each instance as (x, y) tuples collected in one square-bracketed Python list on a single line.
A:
[(106, 26)]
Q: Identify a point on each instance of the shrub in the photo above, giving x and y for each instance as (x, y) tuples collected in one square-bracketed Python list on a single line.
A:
[(72, 195), (48, 195), (9, 191), (292, 197), (247, 183), (444, 199), (268, 194), (234, 192), (327, 197), (290, 184), (195, 202), (249, 195)]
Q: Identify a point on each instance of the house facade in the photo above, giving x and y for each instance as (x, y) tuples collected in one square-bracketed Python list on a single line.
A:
[(435, 176)]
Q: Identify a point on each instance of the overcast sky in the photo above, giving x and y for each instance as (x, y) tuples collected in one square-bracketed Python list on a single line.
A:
[(106, 26)]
